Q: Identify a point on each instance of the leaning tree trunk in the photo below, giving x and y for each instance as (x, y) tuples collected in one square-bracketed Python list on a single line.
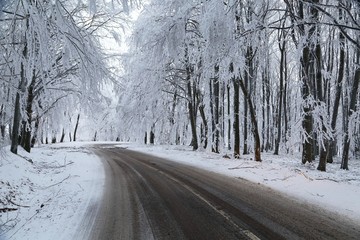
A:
[(204, 137), (255, 129), (62, 135), (76, 127)]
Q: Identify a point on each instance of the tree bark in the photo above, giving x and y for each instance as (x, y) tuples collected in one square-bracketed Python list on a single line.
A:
[(255, 129), (282, 57), (20, 90), (352, 109), (62, 135), (307, 122), (236, 125), (191, 90), (152, 135), (204, 136), (76, 127), (2, 122), (229, 121), (216, 113), (27, 128)]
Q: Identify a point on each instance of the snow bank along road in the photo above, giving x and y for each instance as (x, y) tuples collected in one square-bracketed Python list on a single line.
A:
[(147, 197)]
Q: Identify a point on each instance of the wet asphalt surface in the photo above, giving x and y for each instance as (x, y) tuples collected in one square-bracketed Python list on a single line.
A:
[(147, 197)]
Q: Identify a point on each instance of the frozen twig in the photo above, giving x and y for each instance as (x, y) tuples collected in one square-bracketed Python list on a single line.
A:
[(6, 209), (27, 159), (55, 184), (13, 203), (240, 167), (329, 179), (301, 173)]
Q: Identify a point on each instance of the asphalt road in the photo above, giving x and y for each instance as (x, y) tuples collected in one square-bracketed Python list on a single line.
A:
[(147, 197)]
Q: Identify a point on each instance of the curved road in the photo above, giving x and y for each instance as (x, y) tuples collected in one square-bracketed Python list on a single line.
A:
[(147, 197)]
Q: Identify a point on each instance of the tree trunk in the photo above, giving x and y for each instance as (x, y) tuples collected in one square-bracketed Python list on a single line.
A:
[(282, 57), (20, 90), (76, 126), (2, 122), (352, 109), (62, 136), (27, 128), (216, 113), (53, 139), (229, 121), (286, 128), (331, 144), (249, 53), (236, 125), (152, 135), (255, 129), (35, 135), (307, 122), (191, 94), (16, 125), (204, 135)]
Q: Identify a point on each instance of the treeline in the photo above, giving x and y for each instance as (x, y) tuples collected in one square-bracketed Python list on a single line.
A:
[(247, 76), (53, 67)]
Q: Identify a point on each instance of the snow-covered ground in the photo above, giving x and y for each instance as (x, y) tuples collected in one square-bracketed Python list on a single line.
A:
[(47, 199)]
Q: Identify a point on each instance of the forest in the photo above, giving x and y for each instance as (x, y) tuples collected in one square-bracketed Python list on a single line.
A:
[(232, 77)]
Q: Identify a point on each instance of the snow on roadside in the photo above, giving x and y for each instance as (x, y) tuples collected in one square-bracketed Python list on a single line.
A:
[(335, 190), (46, 199)]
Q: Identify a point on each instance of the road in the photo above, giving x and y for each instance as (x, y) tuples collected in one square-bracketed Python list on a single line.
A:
[(147, 197)]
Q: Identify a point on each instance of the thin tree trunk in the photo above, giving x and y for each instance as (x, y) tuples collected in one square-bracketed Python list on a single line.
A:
[(286, 128), (204, 137), (229, 121), (62, 135), (76, 126), (2, 122), (35, 135), (236, 125), (216, 132), (282, 56), (152, 135)]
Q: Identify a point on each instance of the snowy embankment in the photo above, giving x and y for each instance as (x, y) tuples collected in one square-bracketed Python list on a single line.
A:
[(46, 197), (335, 190)]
